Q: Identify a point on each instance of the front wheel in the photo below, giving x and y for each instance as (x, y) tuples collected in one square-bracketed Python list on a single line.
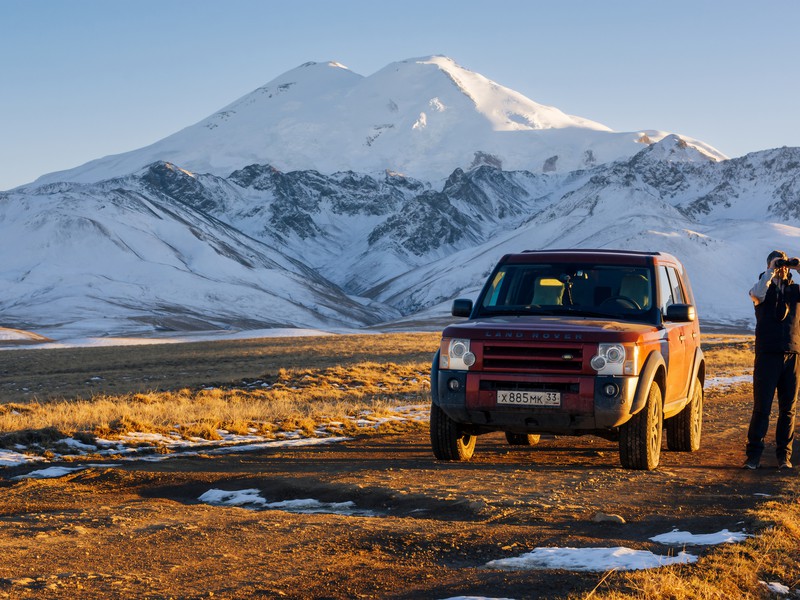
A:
[(448, 440), (522, 439), (685, 428), (640, 437)]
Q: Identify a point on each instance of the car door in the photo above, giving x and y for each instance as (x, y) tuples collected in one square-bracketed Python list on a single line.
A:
[(673, 346)]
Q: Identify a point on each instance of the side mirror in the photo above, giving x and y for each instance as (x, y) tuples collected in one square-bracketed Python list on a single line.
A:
[(462, 307), (681, 313)]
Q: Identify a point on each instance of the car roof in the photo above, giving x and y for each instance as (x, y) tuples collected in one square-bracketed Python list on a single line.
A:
[(612, 256)]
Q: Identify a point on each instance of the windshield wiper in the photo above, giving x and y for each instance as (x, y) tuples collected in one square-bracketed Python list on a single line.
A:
[(519, 312)]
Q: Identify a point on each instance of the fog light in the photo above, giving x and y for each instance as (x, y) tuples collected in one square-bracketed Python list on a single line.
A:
[(610, 389), (454, 385)]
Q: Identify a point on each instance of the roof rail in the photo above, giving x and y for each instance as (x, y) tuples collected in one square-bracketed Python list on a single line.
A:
[(592, 251)]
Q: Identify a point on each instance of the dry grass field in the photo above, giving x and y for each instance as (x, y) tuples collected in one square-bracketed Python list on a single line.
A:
[(269, 385), (289, 384)]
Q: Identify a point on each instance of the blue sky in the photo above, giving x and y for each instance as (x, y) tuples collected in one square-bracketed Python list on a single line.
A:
[(82, 79)]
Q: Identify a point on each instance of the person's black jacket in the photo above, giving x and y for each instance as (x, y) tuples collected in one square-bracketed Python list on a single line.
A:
[(778, 320)]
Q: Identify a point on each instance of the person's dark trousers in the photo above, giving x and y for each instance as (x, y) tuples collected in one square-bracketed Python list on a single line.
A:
[(773, 372)]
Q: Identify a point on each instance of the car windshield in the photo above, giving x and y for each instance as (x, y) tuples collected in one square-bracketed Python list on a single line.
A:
[(614, 291)]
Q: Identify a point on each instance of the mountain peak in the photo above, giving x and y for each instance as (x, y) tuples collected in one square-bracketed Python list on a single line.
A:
[(313, 67), (673, 148), (423, 117)]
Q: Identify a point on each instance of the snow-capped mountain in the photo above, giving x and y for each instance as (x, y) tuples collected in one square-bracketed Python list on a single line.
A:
[(289, 208), (166, 248), (420, 117)]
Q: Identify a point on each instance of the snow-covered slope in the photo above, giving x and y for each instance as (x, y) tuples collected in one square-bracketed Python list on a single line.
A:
[(119, 256), (421, 117)]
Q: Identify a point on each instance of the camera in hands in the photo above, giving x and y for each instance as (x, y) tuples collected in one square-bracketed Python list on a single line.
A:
[(788, 262)]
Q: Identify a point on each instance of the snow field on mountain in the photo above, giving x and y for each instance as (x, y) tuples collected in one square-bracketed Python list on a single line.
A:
[(323, 116)]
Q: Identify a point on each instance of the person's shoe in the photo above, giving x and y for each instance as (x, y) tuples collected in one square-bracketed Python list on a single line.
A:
[(785, 464), (750, 463)]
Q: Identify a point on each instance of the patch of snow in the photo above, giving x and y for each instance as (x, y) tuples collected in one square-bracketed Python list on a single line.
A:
[(728, 381), (179, 447), (776, 587), (289, 443), (684, 538), (9, 458), (78, 445), (49, 473), (233, 498), (251, 498), (311, 506), (54, 472), (590, 559)]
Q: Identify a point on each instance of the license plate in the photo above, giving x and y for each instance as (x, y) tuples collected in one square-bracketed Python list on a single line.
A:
[(517, 398)]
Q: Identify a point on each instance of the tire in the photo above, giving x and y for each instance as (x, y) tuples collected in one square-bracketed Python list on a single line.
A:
[(448, 440), (522, 439), (640, 437), (685, 429)]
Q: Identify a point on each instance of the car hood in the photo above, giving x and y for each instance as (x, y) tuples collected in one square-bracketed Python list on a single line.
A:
[(552, 329)]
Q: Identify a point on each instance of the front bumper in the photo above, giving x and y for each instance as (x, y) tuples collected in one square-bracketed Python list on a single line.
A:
[(587, 402)]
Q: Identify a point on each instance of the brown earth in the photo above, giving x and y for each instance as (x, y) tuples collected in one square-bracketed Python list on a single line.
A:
[(138, 530)]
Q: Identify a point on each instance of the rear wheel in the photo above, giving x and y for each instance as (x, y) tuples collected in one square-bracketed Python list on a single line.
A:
[(522, 439), (685, 428), (448, 440), (640, 437)]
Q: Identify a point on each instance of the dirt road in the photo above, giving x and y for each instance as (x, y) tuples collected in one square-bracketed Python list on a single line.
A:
[(139, 530)]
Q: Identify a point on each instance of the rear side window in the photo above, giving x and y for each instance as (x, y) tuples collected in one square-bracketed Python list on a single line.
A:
[(669, 288), (675, 284)]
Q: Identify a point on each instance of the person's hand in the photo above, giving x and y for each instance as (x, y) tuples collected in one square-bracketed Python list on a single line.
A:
[(772, 263)]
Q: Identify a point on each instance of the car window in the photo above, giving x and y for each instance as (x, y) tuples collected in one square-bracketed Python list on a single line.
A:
[(664, 290), (669, 288), (675, 284), (555, 288)]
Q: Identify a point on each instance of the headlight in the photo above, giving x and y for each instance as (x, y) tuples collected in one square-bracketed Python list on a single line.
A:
[(455, 354), (615, 359)]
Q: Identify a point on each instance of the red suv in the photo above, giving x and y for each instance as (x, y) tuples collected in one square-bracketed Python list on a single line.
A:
[(573, 342)]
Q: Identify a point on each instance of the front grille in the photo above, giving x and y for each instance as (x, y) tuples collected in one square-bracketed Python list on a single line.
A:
[(545, 358), (550, 386)]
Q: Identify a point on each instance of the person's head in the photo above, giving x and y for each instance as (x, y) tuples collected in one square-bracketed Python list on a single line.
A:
[(779, 272), (775, 254)]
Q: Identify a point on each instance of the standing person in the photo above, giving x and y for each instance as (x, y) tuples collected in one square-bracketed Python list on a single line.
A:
[(776, 366)]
